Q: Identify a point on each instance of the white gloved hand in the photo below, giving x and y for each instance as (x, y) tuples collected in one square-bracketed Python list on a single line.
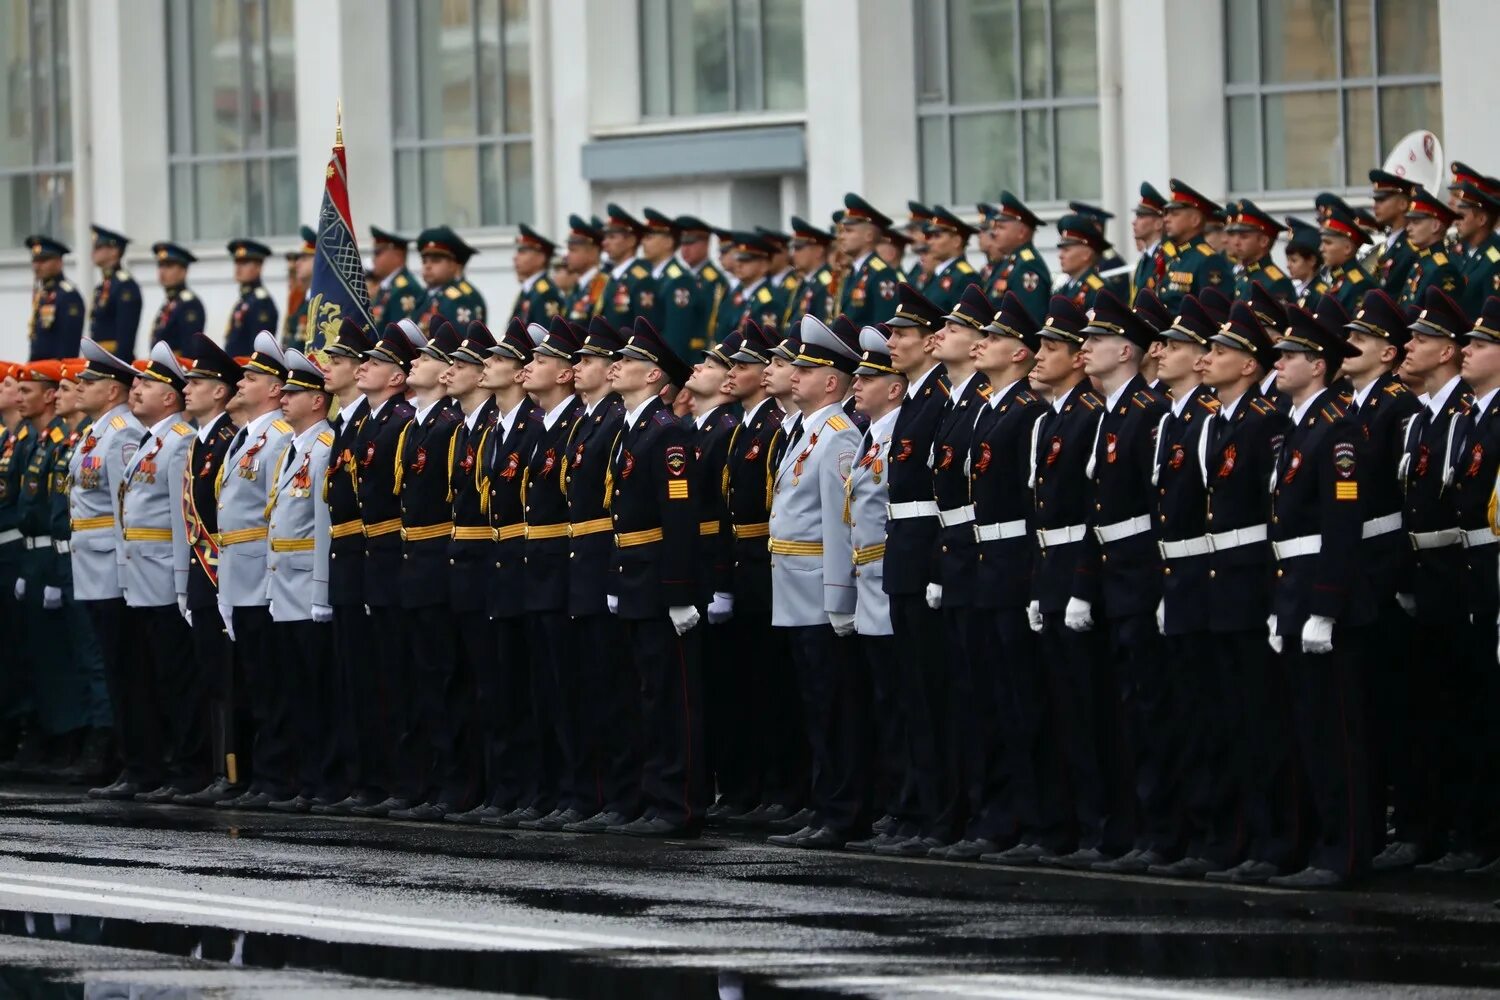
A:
[(368, 612), (1408, 604), (843, 624), (1034, 615), (612, 602), (182, 608), (1272, 638), (683, 618), (1161, 616), (227, 618), (1317, 635), (20, 588), (51, 598), (322, 614), (934, 595), (1078, 616), (721, 608)]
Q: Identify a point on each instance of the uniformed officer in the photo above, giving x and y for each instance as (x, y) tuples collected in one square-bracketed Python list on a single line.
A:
[(1192, 264), (1304, 262), (1146, 226), (1080, 242), (96, 473), (951, 272), (892, 250), (1115, 272), (304, 676), (1316, 607), (1392, 259), (812, 583), (538, 299), (399, 295), (915, 231), (154, 578), (1020, 267), (245, 479), (867, 293), (214, 732), (254, 310), (181, 314), (782, 276), (116, 311), (679, 305), (1252, 233), (1478, 214), (449, 293), (1340, 239), (753, 298), (693, 251), (582, 258), (56, 323), (302, 260), (1427, 222), (630, 291), (809, 248), (16, 443)]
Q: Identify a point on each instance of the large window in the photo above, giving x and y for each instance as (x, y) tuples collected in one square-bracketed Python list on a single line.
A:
[(36, 121), (462, 112), (1320, 90), (1007, 99), (232, 98), (703, 57)]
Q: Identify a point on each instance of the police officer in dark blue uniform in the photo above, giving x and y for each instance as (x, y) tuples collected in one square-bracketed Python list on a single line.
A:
[(254, 310), (56, 325), (181, 315), (116, 312)]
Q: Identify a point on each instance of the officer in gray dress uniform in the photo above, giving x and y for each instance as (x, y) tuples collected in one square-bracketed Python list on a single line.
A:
[(812, 580), (244, 487), (300, 538), (155, 583), (95, 472)]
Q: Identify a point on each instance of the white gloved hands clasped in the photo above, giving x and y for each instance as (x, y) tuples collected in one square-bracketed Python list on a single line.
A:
[(934, 595), (1317, 635), (843, 624), (1161, 616), (227, 617), (1272, 638), (51, 598), (20, 588), (721, 608), (1408, 604), (1079, 615), (322, 614), (612, 602), (1034, 615), (182, 609), (684, 618)]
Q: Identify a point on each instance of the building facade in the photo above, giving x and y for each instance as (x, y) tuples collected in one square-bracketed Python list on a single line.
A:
[(203, 120)]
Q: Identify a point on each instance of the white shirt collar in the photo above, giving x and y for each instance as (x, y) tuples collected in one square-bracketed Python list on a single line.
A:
[(421, 413), (508, 420), (958, 390), (389, 279), (1360, 395), (587, 276), (530, 282), (999, 394), (748, 290), (1437, 400), (1483, 403), (880, 430), (550, 417), (859, 261), (1178, 405), (1268, 383), (165, 424), (206, 429), (306, 438), (750, 413), (1226, 410), (470, 419), (944, 264), (656, 271), (632, 415), (1298, 412), (1114, 397), (375, 408), (915, 385), (258, 426), (702, 418), (621, 268)]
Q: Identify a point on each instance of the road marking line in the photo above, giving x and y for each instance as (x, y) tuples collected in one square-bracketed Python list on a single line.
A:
[(1010, 987)]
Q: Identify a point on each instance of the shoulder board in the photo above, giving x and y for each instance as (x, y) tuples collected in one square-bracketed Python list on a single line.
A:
[(56, 435), (1261, 406), (825, 276), (963, 267), (1169, 248), (943, 385), (876, 264), (1355, 276), (181, 429), (1320, 286), (466, 288), (665, 417), (1440, 258), (24, 432), (838, 423), (118, 423), (1094, 281), (728, 420), (763, 295), (400, 408), (282, 426), (65, 284), (1332, 411), (1027, 254), (639, 271), (1492, 255), (400, 281), (1397, 389), (541, 286), (1090, 400), (326, 439), (673, 271), (1209, 403), (186, 295), (708, 273), (261, 293), (122, 275), (452, 293), (1143, 398), (225, 432), (1273, 272), (985, 391), (1204, 248)]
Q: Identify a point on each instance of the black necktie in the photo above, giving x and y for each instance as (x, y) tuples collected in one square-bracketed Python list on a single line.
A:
[(1462, 433), (1216, 426), (796, 435), (145, 436), (239, 439)]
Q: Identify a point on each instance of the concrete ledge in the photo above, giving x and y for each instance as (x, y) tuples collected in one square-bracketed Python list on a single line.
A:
[(719, 153)]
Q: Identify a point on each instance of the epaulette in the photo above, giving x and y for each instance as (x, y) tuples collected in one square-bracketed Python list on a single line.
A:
[(56, 435), (962, 267), (876, 264), (947, 389), (838, 423), (282, 426), (1355, 276), (1440, 258), (1090, 400), (118, 423), (402, 408), (1492, 255), (1320, 286), (186, 295), (1027, 254), (673, 271), (1261, 406), (24, 432), (181, 429), (708, 273), (825, 276), (466, 288), (542, 286), (400, 281), (1274, 272), (1026, 397), (728, 420), (1094, 282), (1143, 398), (261, 293), (225, 432), (1332, 411), (665, 417), (1169, 248), (763, 295), (1397, 389), (64, 284), (1202, 247), (326, 439), (1210, 403), (985, 391), (453, 293), (122, 274), (639, 271)]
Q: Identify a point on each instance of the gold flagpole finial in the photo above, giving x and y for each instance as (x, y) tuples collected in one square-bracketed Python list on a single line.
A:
[(338, 123)]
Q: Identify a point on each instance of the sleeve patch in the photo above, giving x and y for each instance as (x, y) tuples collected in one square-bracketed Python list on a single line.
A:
[(1346, 491), (677, 489), (1343, 462), (677, 461)]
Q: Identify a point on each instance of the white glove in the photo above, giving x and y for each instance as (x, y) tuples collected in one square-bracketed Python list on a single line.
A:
[(182, 608), (228, 619), (1317, 635), (51, 598), (20, 589), (612, 602), (721, 608), (1272, 637), (1161, 616), (842, 624), (1079, 615), (934, 595), (322, 614), (683, 618), (367, 611), (1408, 604), (1034, 615)]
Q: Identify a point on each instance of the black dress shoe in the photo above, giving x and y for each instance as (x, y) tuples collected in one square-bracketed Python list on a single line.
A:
[(254, 802), (911, 847), (1247, 872), (600, 822), (752, 817), (885, 824), (794, 821), (514, 818), (1398, 854), (1082, 860), (1019, 856), (542, 822), (475, 816), (101, 791), (1455, 862), (822, 839), (383, 808), (295, 804), (790, 839), (1185, 868), (556, 820), (655, 826), (160, 796), (723, 812), (219, 790), (766, 816), (343, 807), (120, 791), (1308, 878), (1134, 862), (965, 850), (870, 845), (420, 812)]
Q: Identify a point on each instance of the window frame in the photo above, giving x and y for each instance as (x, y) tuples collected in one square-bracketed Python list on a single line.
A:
[(48, 213), (757, 106)]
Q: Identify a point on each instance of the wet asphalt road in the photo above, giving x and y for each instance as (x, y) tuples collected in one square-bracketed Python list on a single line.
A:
[(104, 900)]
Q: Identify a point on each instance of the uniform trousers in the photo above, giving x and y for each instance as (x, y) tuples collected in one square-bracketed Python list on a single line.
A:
[(515, 766), (606, 703), (1430, 686), (107, 618), (209, 690), (890, 756), (1090, 728), (425, 750), (1143, 675), (1263, 755), (1328, 705), (1397, 772), (470, 693), (550, 639), (15, 688), (1001, 800), (384, 721), (307, 685), (932, 791), (674, 777), (1033, 771), (777, 731), (1200, 738), (261, 673), (167, 661), (1475, 803), (831, 703), (356, 717), (727, 711)]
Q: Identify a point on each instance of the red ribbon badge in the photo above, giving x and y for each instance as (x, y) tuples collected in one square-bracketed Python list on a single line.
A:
[(1226, 466)]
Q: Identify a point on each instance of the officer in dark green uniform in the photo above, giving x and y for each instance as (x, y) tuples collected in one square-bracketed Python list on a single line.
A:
[(1478, 211), (1252, 233), (867, 294), (585, 243), (539, 299), (1192, 265), (1427, 222), (1020, 267), (1304, 263), (754, 298), (449, 293), (293, 328), (1340, 239), (693, 251), (254, 311), (1392, 260), (400, 295), (56, 306), (1080, 244), (809, 247), (947, 244), (180, 318), (919, 215), (1114, 271), (1146, 226), (892, 249), (783, 276), (631, 292), (116, 312), (678, 302)]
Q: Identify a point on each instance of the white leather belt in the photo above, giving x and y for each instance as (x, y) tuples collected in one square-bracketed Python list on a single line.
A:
[(912, 508), (1307, 545), (1435, 539), (1478, 537), (63, 546), (1221, 541), (1060, 536), (958, 515), (1122, 530), (39, 542), (1377, 526), (1183, 548), (995, 532), (13, 535)]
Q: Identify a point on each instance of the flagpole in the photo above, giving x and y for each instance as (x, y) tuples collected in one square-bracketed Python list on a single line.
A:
[(338, 124)]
